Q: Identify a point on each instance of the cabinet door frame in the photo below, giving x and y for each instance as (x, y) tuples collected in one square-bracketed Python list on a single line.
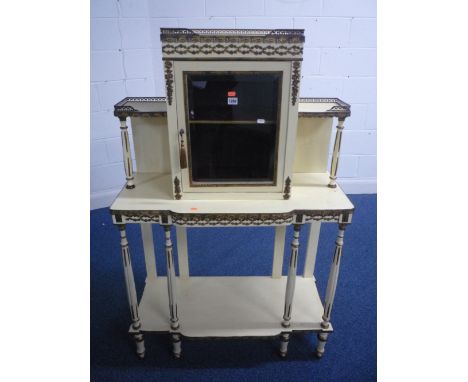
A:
[(286, 142)]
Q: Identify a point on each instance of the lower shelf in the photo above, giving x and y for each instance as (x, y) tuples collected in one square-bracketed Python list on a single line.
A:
[(231, 306)]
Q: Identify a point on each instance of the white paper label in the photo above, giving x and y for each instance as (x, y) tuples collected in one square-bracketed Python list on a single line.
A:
[(232, 100)]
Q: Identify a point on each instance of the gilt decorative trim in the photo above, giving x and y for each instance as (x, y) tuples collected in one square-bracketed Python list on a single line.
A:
[(169, 76), (232, 49), (321, 217), (252, 36), (128, 111), (241, 44), (177, 190), (121, 110), (214, 220), (323, 100), (140, 99), (296, 76), (232, 219), (341, 110)]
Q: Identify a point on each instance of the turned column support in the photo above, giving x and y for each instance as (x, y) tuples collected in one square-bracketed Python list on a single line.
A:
[(284, 342), (171, 277), (127, 156), (336, 153), (131, 293), (176, 344), (291, 281), (322, 340), (331, 289)]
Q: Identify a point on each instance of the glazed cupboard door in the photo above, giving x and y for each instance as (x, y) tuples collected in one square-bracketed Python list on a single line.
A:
[(232, 142), (232, 122)]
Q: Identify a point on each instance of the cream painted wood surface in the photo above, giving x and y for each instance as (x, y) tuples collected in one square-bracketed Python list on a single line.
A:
[(151, 143), (149, 106), (154, 192), (182, 252), (315, 107), (148, 249), (231, 306), (312, 245), (278, 254), (312, 143)]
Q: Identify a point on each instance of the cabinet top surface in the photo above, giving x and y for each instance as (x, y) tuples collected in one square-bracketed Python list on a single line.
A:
[(153, 192), (157, 107)]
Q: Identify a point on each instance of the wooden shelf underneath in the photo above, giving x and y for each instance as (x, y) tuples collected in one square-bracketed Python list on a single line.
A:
[(231, 306)]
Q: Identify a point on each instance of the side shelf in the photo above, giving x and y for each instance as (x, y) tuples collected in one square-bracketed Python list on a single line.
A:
[(157, 107)]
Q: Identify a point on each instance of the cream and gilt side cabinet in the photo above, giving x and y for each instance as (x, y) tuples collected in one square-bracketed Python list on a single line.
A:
[(231, 145)]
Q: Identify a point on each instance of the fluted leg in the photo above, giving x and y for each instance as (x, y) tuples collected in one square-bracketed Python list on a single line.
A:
[(171, 279), (291, 282), (131, 293), (127, 157), (331, 289), (176, 339), (336, 154)]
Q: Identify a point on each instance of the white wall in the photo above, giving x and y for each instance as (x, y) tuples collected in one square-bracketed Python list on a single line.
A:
[(339, 61)]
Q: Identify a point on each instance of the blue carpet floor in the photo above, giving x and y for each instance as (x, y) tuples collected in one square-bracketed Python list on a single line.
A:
[(351, 350)]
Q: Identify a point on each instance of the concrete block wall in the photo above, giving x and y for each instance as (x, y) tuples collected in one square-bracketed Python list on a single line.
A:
[(339, 61)]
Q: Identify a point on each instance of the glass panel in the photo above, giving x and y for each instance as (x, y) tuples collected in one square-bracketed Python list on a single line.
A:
[(233, 123), (231, 152)]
